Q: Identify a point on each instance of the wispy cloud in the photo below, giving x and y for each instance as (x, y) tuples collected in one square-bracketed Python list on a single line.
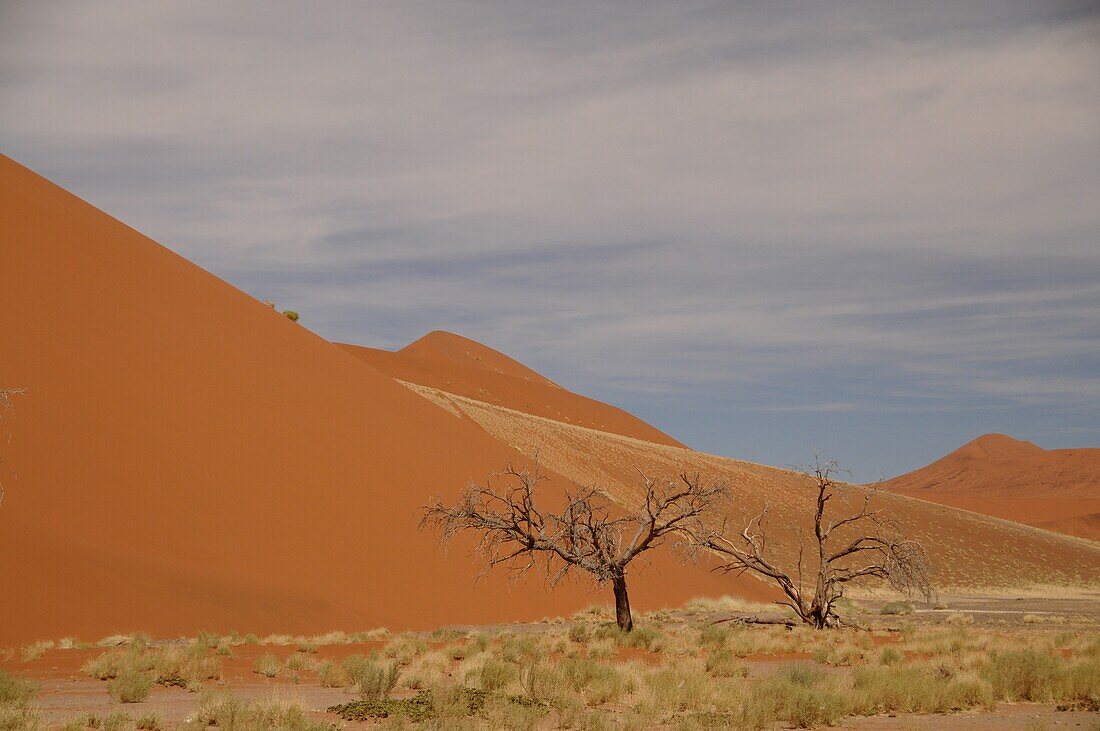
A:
[(729, 218)]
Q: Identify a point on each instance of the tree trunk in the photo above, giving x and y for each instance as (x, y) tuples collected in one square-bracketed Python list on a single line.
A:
[(622, 604)]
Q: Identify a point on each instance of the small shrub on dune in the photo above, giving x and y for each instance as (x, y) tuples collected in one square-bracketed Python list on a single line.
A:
[(118, 721), (721, 663), (108, 665), (185, 666), (916, 689), (229, 712), (1079, 686), (641, 638), (131, 686), (889, 656), (35, 650), (713, 634), (603, 650), (15, 711), (150, 722), (378, 680), (801, 696), (331, 675), (681, 688), (307, 647), (495, 674), (403, 649), (519, 649), (267, 665), (15, 692), (1026, 675), (580, 633)]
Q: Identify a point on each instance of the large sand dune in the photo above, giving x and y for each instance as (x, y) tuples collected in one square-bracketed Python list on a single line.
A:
[(187, 458), (1057, 489)]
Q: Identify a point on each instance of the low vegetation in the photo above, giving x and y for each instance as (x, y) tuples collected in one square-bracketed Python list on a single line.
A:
[(677, 669)]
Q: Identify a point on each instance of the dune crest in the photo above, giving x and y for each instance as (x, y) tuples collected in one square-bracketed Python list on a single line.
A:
[(995, 474), (464, 367)]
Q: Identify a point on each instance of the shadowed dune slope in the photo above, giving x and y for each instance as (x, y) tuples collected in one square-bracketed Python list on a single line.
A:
[(1057, 489), (186, 458), (462, 366), (969, 551)]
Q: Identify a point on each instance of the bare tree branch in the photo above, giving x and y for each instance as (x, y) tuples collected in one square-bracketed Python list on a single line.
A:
[(876, 549), (589, 533)]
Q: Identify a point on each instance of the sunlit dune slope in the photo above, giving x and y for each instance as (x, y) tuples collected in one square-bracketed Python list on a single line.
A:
[(462, 366), (1056, 489), (186, 458), (968, 551)]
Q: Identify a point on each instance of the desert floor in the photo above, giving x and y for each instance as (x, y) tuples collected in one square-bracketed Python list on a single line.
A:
[(980, 663)]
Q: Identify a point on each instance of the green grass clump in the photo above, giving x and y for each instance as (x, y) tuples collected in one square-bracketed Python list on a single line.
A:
[(713, 634), (377, 680), (14, 691), (916, 689), (800, 695), (580, 633), (150, 722), (890, 656), (1025, 675), (415, 709), (15, 711), (229, 712), (267, 665), (721, 663), (643, 638), (131, 686), (495, 674)]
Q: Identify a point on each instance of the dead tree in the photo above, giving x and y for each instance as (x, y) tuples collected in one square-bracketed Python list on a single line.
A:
[(589, 533), (858, 546)]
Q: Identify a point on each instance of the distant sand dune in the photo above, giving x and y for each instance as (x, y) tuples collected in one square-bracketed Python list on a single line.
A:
[(1056, 489)]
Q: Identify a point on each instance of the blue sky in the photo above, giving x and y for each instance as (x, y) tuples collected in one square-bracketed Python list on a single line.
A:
[(868, 228)]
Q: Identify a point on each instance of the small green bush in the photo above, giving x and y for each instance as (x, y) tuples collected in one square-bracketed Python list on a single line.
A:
[(15, 692), (267, 665), (721, 663), (890, 656), (150, 722), (1026, 675), (713, 634), (131, 686), (377, 681), (495, 674), (291, 315)]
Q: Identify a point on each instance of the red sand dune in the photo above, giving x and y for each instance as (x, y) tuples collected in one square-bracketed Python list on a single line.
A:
[(187, 458), (997, 475), (464, 367)]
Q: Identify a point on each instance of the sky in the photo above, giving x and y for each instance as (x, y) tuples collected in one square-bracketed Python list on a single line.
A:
[(871, 229)]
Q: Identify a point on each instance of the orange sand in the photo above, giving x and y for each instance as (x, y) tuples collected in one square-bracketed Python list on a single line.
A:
[(187, 458), (997, 475)]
